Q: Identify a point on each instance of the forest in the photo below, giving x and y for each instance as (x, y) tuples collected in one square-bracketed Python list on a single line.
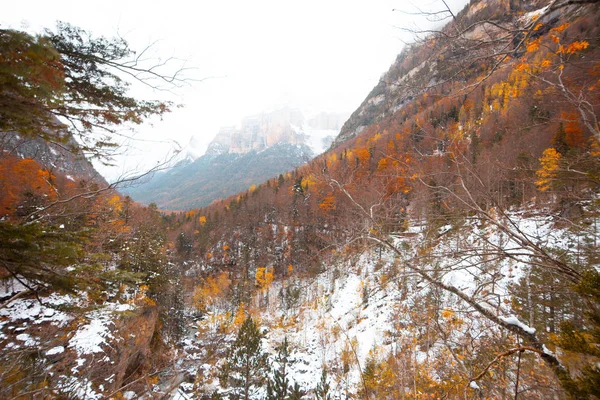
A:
[(445, 246)]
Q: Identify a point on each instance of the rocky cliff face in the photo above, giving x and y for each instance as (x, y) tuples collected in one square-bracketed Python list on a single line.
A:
[(413, 70), (64, 157), (261, 147), (259, 132)]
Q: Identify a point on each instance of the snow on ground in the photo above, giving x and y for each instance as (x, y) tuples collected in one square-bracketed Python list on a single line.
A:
[(89, 338), (354, 312), (57, 325), (319, 140)]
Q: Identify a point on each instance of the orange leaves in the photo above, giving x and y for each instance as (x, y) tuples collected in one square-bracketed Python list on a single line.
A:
[(190, 214), (21, 180), (561, 28), (546, 63), (328, 204), (383, 164), (573, 131), (523, 67), (363, 155), (202, 220), (574, 47), (534, 45)]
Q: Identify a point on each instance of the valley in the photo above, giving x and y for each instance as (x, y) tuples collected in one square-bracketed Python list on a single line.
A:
[(441, 242)]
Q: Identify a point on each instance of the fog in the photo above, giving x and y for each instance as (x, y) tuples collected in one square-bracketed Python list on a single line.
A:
[(244, 57)]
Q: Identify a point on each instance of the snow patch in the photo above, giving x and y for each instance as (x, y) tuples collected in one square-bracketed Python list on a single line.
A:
[(55, 350), (89, 338), (513, 320)]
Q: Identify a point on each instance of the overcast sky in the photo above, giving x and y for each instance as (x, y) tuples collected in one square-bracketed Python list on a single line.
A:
[(319, 55)]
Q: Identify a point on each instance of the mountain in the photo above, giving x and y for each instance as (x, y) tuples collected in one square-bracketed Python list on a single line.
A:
[(213, 176), (262, 147), (62, 156), (446, 246), (283, 125)]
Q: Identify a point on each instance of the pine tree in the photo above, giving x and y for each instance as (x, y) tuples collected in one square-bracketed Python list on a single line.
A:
[(279, 387), (559, 141), (583, 339), (322, 389), (246, 364), (296, 393)]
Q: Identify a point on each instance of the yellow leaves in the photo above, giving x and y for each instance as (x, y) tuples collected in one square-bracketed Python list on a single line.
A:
[(115, 203), (309, 181), (226, 248), (447, 314), (263, 277), (376, 137), (252, 188), (209, 290), (523, 67), (240, 315), (382, 164), (290, 269), (550, 162), (153, 380), (202, 220), (595, 149)]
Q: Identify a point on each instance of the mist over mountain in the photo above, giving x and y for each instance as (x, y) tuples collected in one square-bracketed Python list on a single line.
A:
[(261, 147)]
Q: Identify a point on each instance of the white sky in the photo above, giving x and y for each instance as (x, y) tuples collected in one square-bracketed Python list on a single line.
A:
[(320, 55)]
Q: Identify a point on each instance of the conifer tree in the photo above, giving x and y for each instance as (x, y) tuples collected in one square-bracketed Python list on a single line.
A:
[(584, 339), (246, 364), (322, 389), (278, 387), (296, 393)]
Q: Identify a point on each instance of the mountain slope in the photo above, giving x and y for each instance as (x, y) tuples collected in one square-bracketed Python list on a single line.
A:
[(264, 146), (215, 176), (63, 156), (443, 247)]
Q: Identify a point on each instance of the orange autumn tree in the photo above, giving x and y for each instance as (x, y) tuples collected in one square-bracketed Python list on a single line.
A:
[(71, 74), (25, 185)]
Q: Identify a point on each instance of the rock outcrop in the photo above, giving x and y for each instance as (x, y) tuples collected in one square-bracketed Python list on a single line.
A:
[(259, 132)]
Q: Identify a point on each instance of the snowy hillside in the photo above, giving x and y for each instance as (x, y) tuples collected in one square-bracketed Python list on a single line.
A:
[(370, 311)]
